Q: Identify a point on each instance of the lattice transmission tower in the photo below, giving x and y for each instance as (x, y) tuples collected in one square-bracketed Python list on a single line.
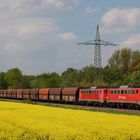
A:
[(97, 43)]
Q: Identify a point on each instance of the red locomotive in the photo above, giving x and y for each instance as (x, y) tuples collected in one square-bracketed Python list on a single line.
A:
[(123, 96), (93, 94)]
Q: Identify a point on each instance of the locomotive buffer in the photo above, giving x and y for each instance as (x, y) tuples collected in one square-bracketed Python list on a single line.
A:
[(97, 43)]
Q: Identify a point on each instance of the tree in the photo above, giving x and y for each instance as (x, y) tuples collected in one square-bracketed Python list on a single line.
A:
[(121, 60), (70, 77), (135, 61), (123, 66), (88, 74), (26, 81), (54, 80), (39, 81), (13, 77), (111, 76), (46, 80), (134, 76), (3, 83)]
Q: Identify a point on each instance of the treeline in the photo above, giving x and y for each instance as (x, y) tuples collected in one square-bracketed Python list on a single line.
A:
[(123, 68)]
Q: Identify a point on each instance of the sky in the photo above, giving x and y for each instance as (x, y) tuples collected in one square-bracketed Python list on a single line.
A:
[(40, 36)]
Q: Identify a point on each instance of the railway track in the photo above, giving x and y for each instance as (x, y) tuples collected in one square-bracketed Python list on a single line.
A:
[(93, 108), (81, 107)]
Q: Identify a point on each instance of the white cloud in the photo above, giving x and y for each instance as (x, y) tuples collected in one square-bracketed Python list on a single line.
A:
[(53, 4), (24, 36), (32, 43), (58, 4), (120, 20), (68, 36), (89, 10), (133, 42), (29, 39), (16, 7)]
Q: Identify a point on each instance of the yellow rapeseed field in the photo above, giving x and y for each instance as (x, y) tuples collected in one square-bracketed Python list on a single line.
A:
[(19, 121)]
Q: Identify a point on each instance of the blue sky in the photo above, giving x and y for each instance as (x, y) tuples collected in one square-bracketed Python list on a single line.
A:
[(41, 35)]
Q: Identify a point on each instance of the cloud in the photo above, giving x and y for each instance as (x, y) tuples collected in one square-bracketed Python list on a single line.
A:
[(119, 20), (133, 41), (13, 8), (68, 36), (49, 4), (33, 44), (89, 10), (29, 38), (25, 36)]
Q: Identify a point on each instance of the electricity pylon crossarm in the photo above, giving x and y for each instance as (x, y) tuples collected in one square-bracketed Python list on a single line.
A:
[(97, 43)]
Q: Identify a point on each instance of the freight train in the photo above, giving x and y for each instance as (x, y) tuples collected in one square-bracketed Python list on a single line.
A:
[(120, 97)]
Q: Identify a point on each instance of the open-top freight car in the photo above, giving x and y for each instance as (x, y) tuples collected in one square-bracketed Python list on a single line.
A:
[(9, 93), (44, 94), (26, 93), (34, 94), (55, 94), (14, 94), (70, 94), (1, 93), (19, 93), (5, 93)]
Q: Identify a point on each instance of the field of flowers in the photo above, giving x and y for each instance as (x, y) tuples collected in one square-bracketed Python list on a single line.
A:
[(19, 121)]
